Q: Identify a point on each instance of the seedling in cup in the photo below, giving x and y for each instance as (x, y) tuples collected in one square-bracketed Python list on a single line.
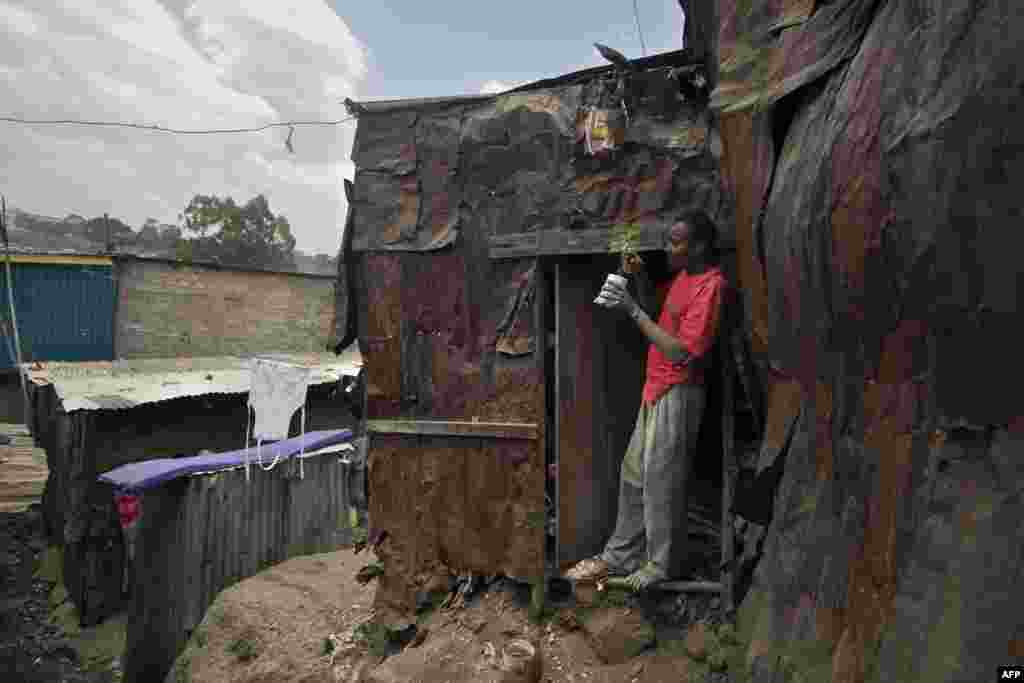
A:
[(625, 238)]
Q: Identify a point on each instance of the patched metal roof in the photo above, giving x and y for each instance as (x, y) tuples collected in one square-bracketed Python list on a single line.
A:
[(117, 385)]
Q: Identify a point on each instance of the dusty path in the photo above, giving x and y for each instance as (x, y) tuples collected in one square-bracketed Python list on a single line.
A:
[(308, 620), (274, 626)]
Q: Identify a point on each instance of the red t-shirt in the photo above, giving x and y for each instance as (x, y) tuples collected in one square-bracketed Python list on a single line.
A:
[(691, 312)]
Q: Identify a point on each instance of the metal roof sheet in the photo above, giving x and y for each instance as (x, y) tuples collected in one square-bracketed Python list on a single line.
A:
[(672, 58), (117, 385)]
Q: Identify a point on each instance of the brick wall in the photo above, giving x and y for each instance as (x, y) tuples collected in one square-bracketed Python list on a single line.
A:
[(170, 309)]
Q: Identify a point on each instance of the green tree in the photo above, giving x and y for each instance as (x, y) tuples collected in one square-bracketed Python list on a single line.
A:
[(108, 231), (225, 232)]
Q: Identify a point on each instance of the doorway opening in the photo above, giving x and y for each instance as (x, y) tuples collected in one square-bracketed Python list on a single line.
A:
[(595, 366)]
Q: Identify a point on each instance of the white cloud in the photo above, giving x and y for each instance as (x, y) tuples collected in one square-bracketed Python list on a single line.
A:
[(182, 64), (493, 87)]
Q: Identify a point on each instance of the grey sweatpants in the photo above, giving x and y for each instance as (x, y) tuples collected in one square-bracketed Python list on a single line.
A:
[(653, 485)]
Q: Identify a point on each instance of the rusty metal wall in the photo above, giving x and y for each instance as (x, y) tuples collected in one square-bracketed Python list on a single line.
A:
[(600, 370), (450, 338), (201, 534), (448, 329), (872, 149), (77, 509)]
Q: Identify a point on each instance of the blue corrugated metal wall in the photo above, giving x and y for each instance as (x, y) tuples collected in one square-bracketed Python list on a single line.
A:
[(65, 312)]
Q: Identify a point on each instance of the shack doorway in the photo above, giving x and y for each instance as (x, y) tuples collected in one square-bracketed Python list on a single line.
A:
[(598, 360)]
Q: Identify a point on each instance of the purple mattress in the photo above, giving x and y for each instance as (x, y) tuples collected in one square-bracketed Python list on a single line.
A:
[(139, 476)]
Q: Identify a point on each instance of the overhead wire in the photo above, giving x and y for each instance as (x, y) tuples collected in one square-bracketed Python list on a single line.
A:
[(176, 131), (639, 31)]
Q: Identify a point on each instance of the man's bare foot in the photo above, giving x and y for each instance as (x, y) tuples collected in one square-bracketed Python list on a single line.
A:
[(645, 577)]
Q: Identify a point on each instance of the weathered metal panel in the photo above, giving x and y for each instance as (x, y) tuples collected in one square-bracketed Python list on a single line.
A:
[(380, 337), (449, 338), (600, 374), (117, 385), (65, 312), (517, 163), (202, 534), (882, 261)]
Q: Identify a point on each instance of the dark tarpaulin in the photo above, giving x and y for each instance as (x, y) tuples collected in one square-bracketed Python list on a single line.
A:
[(891, 279), (516, 164)]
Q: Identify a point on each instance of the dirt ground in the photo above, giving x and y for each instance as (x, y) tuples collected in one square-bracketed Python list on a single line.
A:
[(309, 620), (33, 648)]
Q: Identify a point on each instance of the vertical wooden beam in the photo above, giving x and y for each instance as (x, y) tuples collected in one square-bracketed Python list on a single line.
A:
[(730, 466), (555, 410)]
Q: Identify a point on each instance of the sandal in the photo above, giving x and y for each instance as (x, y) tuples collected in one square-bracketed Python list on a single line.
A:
[(589, 570)]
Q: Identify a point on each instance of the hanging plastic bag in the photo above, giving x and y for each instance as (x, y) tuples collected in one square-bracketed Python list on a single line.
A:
[(604, 130)]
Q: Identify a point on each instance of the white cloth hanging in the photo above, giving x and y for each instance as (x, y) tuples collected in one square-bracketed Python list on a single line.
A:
[(276, 391)]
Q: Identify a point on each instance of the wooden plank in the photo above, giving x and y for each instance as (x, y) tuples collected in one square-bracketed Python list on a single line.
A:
[(563, 242), (554, 375), (672, 586), (496, 430)]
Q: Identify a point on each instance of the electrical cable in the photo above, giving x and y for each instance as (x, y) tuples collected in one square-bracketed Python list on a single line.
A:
[(639, 31), (164, 129)]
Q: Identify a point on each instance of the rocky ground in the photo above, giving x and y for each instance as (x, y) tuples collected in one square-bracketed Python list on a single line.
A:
[(310, 620), (33, 648)]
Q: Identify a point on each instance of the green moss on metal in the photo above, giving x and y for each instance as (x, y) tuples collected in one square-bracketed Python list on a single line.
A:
[(942, 649), (51, 566), (744, 8), (98, 646), (806, 661), (808, 505), (753, 613)]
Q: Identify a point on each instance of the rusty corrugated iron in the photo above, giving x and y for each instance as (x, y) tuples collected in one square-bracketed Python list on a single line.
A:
[(450, 333), (518, 162), (870, 156), (201, 534)]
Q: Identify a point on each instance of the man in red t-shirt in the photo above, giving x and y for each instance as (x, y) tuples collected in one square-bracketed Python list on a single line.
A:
[(651, 527)]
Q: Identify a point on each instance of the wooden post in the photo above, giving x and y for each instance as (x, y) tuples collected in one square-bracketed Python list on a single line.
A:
[(14, 318), (730, 467)]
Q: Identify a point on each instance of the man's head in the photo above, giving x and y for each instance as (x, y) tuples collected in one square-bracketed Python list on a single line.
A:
[(691, 242)]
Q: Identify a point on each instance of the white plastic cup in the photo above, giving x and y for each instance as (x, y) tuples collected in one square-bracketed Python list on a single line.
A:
[(616, 280)]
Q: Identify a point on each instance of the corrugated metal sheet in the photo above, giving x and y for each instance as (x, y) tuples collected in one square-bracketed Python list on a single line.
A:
[(877, 235), (117, 385), (202, 534), (65, 312), (515, 166)]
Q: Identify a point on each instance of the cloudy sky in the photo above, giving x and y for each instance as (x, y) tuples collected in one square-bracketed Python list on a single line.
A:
[(201, 64)]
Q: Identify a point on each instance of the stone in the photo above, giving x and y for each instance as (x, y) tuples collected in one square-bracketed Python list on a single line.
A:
[(618, 635), (697, 641), (421, 635), (474, 623)]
